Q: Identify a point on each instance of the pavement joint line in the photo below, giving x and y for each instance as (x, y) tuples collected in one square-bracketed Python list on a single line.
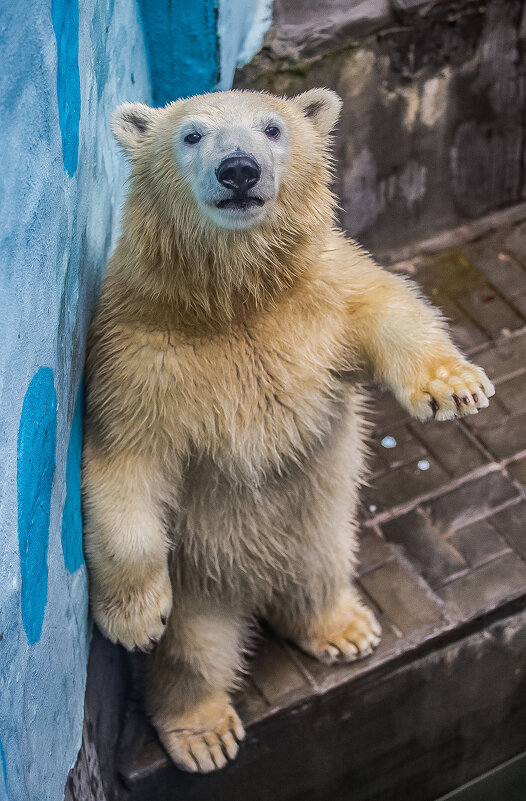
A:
[(368, 570), (396, 466), (515, 458), (470, 570), (474, 350), (467, 315), (477, 518), (294, 656), (430, 450), (506, 299), (500, 508), (444, 609), (516, 308), (259, 692), (477, 442), (379, 532), (407, 506), (510, 376), (510, 253), (394, 426)]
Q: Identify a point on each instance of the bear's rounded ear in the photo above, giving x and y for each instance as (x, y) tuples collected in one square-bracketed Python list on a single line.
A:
[(129, 124), (322, 107)]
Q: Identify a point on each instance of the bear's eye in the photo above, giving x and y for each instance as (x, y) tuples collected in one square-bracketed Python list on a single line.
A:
[(272, 131), (192, 138)]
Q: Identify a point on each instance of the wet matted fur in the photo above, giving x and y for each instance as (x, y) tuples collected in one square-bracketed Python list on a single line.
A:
[(224, 437)]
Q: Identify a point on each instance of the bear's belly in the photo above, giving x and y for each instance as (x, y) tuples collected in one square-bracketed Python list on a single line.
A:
[(247, 540)]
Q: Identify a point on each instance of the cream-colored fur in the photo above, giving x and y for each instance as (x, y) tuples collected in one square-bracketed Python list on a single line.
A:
[(224, 438)]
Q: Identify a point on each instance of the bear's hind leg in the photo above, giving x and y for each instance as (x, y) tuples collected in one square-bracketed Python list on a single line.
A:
[(189, 676), (343, 630), (317, 607)]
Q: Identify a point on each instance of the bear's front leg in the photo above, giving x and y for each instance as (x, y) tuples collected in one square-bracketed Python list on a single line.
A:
[(189, 676), (406, 343), (126, 547)]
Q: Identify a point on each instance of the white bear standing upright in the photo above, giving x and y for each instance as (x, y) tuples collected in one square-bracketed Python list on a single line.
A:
[(224, 437)]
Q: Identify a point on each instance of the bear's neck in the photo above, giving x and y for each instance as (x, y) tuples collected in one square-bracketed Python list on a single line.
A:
[(210, 282)]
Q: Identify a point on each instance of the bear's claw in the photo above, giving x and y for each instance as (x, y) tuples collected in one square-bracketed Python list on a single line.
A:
[(452, 389)]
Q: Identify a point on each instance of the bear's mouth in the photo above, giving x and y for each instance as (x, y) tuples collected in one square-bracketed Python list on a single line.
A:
[(240, 203)]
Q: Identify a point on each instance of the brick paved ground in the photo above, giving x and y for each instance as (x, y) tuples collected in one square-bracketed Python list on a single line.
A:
[(442, 544), (443, 537)]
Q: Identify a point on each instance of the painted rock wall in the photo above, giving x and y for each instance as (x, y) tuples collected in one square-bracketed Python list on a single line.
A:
[(65, 65), (195, 47), (433, 126)]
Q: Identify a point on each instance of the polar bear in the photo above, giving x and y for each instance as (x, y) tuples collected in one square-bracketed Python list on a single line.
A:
[(224, 436)]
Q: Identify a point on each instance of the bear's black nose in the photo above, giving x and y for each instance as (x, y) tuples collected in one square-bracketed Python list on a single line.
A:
[(239, 173)]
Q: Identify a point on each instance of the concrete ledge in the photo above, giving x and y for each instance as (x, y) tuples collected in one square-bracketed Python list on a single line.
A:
[(411, 730)]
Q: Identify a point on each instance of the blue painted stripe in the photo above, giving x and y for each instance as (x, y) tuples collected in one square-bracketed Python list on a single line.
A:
[(183, 47), (65, 18), (4, 768), (71, 515), (37, 442)]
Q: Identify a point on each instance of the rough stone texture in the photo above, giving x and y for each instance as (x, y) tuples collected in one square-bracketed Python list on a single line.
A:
[(442, 558), (432, 130), (65, 65), (241, 27)]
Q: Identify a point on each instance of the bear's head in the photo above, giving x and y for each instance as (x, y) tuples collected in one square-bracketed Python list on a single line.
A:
[(233, 160)]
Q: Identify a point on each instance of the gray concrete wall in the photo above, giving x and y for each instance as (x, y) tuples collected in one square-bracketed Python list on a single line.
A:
[(433, 125)]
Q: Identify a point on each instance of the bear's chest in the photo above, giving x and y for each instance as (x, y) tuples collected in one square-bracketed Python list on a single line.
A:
[(253, 396)]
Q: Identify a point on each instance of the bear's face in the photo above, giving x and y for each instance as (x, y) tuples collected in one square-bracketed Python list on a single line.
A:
[(229, 155), (234, 160)]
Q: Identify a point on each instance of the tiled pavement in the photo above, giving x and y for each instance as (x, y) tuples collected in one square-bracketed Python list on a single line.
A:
[(443, 537), (449, 497)]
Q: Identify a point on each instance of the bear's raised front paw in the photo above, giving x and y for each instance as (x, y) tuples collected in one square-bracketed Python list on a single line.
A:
[(137, 617), (452, 388), (347, 633), (205, 738)]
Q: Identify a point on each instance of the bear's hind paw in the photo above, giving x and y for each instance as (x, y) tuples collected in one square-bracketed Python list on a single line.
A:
[(352, 633), (206, 738)]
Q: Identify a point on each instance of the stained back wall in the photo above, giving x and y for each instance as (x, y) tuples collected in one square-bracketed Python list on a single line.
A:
[(433, 125)]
